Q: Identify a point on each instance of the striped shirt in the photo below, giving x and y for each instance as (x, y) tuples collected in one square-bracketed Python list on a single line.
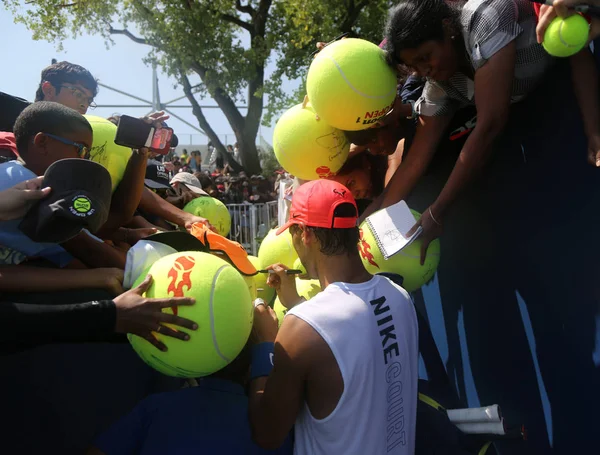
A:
[(488, 26)]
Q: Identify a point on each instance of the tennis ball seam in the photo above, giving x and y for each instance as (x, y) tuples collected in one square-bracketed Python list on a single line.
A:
[(354, 89), (212, 314), (560, 37)]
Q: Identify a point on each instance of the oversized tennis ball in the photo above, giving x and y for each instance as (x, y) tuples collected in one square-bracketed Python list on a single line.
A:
[(566, 37), (407, 262), (263, 290), (213, 210), (350, 85), (223, 312), (307, 146), (299, 266), (306, 288), (277, 248), (104, 151)]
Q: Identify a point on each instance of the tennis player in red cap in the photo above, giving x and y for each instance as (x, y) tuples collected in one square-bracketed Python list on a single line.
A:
[(342, 368)]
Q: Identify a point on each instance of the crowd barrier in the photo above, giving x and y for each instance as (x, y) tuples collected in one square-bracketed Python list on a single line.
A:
[(250, 223)]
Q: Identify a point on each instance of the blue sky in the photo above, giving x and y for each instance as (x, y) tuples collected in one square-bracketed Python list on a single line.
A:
[(120, 66)]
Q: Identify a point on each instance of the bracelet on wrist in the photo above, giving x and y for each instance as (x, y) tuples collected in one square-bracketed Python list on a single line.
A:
[(262, 360)]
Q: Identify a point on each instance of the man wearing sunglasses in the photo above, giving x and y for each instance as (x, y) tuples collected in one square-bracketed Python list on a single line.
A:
[(68, 84)]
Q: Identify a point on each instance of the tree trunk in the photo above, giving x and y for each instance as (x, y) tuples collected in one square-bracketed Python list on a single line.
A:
[(249, 155)]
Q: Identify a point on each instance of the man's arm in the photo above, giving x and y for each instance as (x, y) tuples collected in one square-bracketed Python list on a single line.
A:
[(153, 204), (94, 253), (275, 401), (126, 197), (38, 279)]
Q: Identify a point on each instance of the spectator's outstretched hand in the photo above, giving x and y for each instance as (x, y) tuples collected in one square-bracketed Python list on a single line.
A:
[(16, 201), (156, 119), (143, 316)]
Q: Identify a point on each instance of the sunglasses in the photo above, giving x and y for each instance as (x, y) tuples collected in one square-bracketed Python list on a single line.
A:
[(83, 150), (81, 97)]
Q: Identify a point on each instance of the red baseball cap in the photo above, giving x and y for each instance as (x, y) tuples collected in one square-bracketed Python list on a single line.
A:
[(314, 204)]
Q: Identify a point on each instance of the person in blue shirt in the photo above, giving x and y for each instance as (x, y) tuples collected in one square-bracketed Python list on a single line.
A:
[(208, 418)]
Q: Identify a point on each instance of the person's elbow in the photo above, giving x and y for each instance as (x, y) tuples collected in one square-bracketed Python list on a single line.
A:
[(493, 124)]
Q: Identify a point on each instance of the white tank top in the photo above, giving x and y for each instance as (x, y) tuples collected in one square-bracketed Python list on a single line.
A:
[(372, 331)]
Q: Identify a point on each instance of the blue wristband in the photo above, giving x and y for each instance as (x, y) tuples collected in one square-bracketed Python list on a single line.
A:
[(262, 360)]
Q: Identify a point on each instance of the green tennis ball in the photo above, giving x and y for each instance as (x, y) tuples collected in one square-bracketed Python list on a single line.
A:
[(223, 312), (213, 210), (277, 248), (350, 85), (104, 151), (306, 146), (299, 266), (566, 37), (263, 290), (407, 262), (306, 288)]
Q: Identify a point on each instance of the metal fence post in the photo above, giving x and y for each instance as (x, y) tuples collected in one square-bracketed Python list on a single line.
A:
[(253, 230)]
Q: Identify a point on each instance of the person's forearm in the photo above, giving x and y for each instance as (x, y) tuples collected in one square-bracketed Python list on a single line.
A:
[(37, 324), (472, 158), (126, 197), (394, 162), (259, 425), (93, 253), (37, 279), (585, 82), (153, 204)]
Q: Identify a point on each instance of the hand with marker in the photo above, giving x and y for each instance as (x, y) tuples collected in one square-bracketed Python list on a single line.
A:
[(284, 284)]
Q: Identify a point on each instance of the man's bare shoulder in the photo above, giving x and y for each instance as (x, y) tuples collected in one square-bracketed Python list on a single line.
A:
[(301, 341)]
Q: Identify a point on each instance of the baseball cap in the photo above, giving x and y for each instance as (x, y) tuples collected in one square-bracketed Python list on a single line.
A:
[(190, 181), (157, 176), (314, 204), (80, 199)]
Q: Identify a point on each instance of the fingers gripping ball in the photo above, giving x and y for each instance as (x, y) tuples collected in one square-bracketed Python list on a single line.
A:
[(223, 312), (277, 248), (566, 37), (350, 85), (307, 146), (407, 262), (263, 290), (306, 288), (213, 210), (104, 151)]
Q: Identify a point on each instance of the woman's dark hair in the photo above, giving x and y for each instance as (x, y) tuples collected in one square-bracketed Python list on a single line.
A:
[(337, 241), (413, 22)]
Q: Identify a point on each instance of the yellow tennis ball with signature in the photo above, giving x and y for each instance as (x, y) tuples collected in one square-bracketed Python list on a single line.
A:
[(306, 146), (104, 151)]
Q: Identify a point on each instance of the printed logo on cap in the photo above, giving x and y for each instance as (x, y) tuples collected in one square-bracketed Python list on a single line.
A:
[(81, 206)]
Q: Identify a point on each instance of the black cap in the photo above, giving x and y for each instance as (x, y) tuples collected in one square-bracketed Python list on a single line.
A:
[(80, 199), (157, 176)]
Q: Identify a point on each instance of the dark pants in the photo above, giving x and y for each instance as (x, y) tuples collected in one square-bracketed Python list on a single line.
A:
[(57, 398)]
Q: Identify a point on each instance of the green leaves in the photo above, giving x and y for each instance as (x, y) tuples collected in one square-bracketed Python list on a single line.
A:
[(227, 43)]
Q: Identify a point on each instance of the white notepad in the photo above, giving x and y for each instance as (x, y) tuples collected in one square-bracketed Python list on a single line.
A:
[(390, 228)]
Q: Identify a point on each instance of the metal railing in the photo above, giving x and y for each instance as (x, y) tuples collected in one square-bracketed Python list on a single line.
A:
[(250, 223)]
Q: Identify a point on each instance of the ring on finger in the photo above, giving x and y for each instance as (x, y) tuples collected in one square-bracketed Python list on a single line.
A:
[(159, 328)]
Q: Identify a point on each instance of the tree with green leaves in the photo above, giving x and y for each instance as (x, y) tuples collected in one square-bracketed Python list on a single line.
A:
[(227, 44)]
